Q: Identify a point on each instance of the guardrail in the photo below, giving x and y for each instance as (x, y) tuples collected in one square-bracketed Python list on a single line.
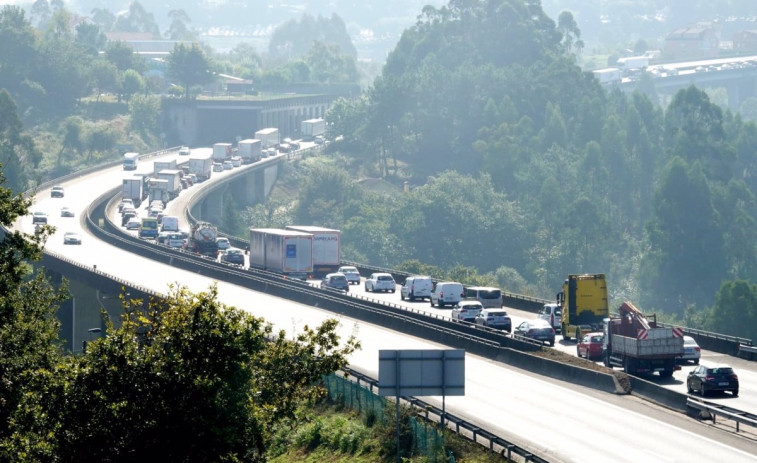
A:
[(453, 422), (710, 410), (747, 352)]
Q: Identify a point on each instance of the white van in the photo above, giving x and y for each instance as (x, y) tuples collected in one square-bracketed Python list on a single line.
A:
[(488, 297), (416, 287), (170, 223), (447, 293), (552, 312)]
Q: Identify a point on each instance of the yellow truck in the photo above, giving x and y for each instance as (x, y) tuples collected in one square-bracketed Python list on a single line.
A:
[(584, 305)]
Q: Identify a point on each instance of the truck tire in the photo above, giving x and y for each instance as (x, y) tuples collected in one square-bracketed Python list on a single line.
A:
[(607, 360), (669, 368), (566, 335)]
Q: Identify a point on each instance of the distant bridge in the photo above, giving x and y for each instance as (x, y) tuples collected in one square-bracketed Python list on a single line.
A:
[(737, 75)]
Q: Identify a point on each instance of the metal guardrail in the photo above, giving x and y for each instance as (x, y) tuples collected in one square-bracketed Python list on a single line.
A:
[(714, 410), (710, 334), (457, 424)]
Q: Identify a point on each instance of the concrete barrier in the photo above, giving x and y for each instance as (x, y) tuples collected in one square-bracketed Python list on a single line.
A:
[(564, 372), (658, 394)]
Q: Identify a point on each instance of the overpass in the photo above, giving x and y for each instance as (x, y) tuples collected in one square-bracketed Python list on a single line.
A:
[(737, 75)]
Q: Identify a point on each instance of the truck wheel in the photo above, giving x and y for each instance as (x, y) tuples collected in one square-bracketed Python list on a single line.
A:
[(607, 360), (666, 373), (565, 335), (578, 334), (411, 297), (402, 296)]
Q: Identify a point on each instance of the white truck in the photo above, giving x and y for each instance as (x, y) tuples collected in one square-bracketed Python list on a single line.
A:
[(163, 165), (201, 165), (269, 137), (158, 190), (312, 128), (633, 62), (133, 189), (130, 161), (327, 255), (173, 177), (250, 150), (608, 76), (221, 152), (288, 252)]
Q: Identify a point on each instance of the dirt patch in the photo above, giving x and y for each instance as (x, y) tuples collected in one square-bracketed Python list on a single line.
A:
[(621, 378)]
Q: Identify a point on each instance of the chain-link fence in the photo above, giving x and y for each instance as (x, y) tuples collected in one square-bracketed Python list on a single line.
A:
[(427, 439)]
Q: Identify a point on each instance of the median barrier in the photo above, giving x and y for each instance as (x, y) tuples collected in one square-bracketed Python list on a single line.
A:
[(658, 394), (561, 371)]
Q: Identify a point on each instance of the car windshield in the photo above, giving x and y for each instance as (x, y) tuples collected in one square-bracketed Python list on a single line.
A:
[(720, 371)]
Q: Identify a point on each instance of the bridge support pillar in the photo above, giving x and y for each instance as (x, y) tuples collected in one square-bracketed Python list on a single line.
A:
[(213, 206)]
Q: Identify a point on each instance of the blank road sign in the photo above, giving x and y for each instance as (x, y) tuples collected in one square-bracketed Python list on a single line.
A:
[(439, 372)]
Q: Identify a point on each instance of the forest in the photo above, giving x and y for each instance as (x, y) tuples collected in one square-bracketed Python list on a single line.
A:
[(520, 167)]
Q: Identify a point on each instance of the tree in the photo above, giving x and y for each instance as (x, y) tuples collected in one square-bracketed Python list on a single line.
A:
[(190, 66), (103, 18), (123, 57), (137, 20), (735, 309), (144, 113), (103, 76), (28, 304), (186, 366), (91, 38), (72, 129), (178, 29), (131, 83)]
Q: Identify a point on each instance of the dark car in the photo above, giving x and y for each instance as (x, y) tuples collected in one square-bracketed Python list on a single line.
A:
[(591, 345), (710, 378), (335, 281), (233, 256), (536, 329)]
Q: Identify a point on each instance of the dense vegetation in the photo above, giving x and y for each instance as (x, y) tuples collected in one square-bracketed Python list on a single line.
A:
[(520, 164)]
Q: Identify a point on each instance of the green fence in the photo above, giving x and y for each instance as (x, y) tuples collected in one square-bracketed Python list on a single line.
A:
[(428, 440)]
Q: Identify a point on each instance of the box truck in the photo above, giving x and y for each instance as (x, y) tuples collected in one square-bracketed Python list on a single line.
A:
[(221, 152), (132, 189), (327, 250), (201, 165), (287, 252), (173, 179), (130, 161), (249, 150), (269, 137), (312, 128), (157, 166)]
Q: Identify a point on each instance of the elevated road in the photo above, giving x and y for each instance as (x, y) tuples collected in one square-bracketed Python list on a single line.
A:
[(559, 421)]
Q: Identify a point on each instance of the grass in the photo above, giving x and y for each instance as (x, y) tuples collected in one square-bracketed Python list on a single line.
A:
[(335, 434)]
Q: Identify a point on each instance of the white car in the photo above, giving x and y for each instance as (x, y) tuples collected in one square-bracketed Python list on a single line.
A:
[(133, 224), (380, 282), (184, 151), (71, 238), (351, 273), (691, 350), (466, 311), (223, 243), (66, 211)]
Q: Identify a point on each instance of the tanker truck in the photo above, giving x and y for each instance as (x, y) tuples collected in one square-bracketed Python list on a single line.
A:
[(202, 239)]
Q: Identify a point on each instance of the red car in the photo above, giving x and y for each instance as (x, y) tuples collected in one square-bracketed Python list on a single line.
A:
[(590, 346)]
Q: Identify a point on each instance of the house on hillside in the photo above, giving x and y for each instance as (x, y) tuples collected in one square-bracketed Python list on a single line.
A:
[(700, 41)]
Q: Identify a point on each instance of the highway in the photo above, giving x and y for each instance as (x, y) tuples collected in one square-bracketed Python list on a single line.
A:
[(559, 421)]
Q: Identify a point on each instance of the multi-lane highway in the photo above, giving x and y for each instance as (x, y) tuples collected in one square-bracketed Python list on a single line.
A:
[(557, 420)]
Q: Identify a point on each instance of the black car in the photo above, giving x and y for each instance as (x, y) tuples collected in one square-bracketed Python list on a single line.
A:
[(708, 378)]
